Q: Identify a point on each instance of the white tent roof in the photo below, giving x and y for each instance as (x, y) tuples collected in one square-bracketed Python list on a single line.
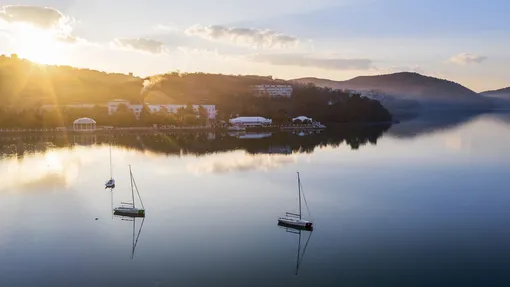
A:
[(84, 121), (249, 119), (302, 118)]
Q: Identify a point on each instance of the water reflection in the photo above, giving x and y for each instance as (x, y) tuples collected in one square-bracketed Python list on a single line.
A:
[(300, 253), (195, 143), (414, 213), (48, 171), (134, 239), (434, 122)]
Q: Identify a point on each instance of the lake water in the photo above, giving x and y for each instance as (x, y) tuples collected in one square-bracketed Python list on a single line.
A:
[(423, 203)]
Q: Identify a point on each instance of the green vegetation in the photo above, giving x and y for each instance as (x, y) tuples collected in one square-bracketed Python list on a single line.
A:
[(33, 118), (26, 86), (232, 97)]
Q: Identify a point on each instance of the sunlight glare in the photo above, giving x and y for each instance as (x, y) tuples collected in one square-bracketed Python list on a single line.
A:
[(39, 45)]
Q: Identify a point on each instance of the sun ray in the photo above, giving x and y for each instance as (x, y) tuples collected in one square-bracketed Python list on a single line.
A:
[(39, 45)]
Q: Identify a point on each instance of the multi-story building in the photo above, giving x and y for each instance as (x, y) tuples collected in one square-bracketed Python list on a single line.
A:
[(272, 90), (136, 109)]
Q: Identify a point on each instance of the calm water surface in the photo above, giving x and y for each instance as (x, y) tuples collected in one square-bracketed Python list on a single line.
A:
[(417, 205)]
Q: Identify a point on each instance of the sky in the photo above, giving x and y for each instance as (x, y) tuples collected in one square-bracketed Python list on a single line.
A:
[(466, 41)]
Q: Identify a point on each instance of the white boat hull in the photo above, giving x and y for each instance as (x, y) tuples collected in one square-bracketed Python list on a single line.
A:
[(295, 222)]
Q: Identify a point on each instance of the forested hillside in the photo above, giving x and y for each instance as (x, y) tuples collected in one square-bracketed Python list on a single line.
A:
[(26, 86)]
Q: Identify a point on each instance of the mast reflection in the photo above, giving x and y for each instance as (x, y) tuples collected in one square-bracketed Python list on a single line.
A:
[(300, 253)]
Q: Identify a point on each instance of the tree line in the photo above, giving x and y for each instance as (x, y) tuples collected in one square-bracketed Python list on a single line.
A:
[(25, 86), (64, 117)]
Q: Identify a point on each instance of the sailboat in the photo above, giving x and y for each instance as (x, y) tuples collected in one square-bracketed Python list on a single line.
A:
[(111, 182), (130, 209), (295, 220)]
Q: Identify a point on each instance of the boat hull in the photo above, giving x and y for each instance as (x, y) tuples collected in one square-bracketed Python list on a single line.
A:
[(131, 212), (110, 184), (295, 223)]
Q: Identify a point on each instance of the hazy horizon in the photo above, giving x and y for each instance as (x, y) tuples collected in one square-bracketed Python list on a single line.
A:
[(336, 40)]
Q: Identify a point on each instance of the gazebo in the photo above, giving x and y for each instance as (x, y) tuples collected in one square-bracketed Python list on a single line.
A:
[(84, 125)]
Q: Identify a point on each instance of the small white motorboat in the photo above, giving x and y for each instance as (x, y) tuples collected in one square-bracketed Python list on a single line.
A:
[(130, 209), (110, 183), (294, 220)]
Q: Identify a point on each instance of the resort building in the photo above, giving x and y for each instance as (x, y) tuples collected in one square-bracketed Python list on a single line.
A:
[(272, 90), (113, 106), (251, 121)]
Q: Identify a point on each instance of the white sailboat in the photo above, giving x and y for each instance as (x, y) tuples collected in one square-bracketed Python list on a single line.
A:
[(111, 182), (295, 220), (129, 208)]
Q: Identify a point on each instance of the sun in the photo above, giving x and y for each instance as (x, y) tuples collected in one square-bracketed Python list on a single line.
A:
[(39, 45)]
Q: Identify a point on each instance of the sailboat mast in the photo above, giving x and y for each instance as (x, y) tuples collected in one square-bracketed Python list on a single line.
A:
[(299, 193), (132, 191)]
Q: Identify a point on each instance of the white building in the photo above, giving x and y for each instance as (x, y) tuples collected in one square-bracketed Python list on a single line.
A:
[(172, 109), (84, 125), (251, 121), (273, 90)]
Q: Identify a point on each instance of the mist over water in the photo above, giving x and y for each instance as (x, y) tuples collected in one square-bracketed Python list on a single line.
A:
[(421, 203)]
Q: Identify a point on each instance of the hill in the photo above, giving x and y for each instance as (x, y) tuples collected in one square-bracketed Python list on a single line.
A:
[(501, 93), (428, 91), (26, 86)]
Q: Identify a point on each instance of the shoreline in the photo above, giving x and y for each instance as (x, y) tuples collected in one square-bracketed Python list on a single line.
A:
[(282, 128)]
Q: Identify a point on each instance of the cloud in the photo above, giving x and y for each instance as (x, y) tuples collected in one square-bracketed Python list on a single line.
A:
[(255, 38), (42, 17), (6, 33), (398, 69), (70, 39), (242, 162), (141, 44), (48, 19), (466, 58), (166, 28), (303, 60)]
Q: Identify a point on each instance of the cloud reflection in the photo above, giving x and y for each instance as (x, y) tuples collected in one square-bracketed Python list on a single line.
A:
[(39, 171), (226, 163)]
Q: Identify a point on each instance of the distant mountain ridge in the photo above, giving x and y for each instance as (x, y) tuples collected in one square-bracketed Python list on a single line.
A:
[(407, 85), (408, 94), (501, 93)]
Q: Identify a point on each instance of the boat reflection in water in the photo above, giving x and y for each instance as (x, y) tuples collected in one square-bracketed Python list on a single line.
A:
[(134, 239), (300, 253), (250, 135)]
